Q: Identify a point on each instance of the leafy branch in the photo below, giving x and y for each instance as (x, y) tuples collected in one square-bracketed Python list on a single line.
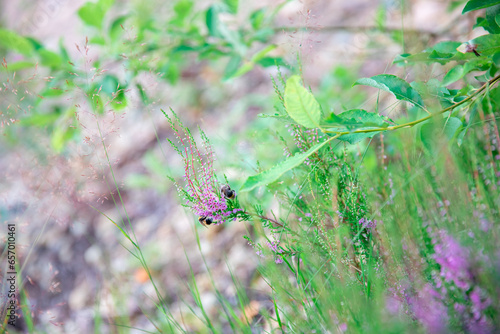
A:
[(418, 121)]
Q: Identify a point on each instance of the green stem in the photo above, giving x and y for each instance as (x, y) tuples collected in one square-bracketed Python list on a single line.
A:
[(413, 123)]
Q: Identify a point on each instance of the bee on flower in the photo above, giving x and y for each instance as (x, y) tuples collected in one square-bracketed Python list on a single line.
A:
[(202, 191)]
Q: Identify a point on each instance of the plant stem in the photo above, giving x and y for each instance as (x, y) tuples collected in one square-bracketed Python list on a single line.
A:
[(413, 123)]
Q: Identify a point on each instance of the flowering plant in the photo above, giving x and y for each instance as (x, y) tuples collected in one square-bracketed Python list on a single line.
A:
[(204, 194)]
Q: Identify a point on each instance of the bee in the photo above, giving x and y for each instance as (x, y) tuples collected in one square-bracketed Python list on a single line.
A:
[(227, 192), (468, 47), (472, 48), (205, 221)]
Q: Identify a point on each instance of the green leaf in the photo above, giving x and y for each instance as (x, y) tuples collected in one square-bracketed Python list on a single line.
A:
[(428, 134), (182, 8), (64, 131), (93, 13), (451, 127), (479, 4), (12, 41), (257, 18), (212, 21), (353, 138), (463, 132), (262, 53), (455, 74), (232, 67), (49, 58), (392, 84), (272, 174), (358, 119), (272, 61), (40, 120), (492, 16), (18, 65), (232, 5), (300, 104), (116, 27), (487, 44)]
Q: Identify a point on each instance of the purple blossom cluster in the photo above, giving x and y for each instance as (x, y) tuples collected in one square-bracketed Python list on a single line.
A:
[(453, 260), (456, 267), (202, 189), (454, 288), (367, 224), (276, 249)]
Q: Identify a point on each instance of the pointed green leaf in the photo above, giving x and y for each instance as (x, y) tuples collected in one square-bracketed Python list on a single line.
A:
[(451, 127), (93, 13), (356, 120), (275, 172), (479, 4), (392, 84), (232, 5), (15, 42), (300, 104), (455, 74)]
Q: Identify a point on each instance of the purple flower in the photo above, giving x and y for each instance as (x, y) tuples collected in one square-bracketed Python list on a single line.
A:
[(429, 310), (367, 224), (454, 261), (202, 189)]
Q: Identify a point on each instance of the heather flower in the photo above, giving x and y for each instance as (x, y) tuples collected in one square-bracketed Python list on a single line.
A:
[(429, 309), (202, 189), (367, 224), (277, 250), (454, 261)]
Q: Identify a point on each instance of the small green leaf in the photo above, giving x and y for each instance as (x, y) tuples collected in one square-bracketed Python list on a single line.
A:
[(353, 138), (116, 27), (358, 120), (455, 74), (257, 18), (479, 4), (272, 174), (49, 58), (212, 21), (11, 40), (262, 53), (232, 5), (272, 61), (451, 127), (392, 84), (300, 104), (428, 135), (232, 67), (182, 8), (142, 93), (18, 65), (93, 13), (362, 118)]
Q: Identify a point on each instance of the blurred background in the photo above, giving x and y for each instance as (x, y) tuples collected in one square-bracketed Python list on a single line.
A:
[(80, 117)]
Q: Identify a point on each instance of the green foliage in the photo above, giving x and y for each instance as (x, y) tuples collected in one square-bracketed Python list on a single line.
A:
[(93, 13), (271, 175), (300, 104), (12, 41), (392, 84), (479, 4)]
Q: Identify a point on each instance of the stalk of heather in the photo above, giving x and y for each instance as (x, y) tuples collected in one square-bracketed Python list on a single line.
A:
[(201, 190)]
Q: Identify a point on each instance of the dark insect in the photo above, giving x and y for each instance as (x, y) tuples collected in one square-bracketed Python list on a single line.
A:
[(206, 221), (472, 48), (227, 192)]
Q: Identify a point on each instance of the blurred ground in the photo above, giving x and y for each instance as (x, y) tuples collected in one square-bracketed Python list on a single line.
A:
[(74, 260)]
